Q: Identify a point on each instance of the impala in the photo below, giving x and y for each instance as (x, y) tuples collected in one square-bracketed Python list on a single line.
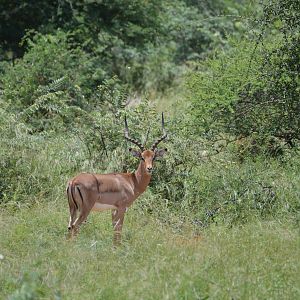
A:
[(115, 191)]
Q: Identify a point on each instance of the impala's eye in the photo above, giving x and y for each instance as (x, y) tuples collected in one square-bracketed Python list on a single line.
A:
[(142, 158)]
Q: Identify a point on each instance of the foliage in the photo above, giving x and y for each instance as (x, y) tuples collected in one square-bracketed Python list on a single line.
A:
[(145, 43), (62, 112), (48, 66), (16, 18), (215, 88), (210, 205), (253, 89)]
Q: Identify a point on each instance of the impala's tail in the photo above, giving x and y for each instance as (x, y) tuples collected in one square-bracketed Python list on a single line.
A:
[(73, 205)]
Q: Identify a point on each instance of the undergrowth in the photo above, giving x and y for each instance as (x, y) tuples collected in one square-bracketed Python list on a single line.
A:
[(258, 260)]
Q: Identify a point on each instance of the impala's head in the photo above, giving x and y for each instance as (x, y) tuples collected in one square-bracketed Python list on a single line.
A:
[(147, 156)]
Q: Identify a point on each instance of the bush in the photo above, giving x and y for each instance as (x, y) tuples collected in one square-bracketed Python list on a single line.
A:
[(253, 89), (51, 64), (145, 43)]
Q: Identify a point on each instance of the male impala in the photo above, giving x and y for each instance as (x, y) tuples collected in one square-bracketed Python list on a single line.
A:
[(115, 191)]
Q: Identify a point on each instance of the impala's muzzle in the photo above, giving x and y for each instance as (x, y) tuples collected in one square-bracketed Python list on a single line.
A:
[(149, 170)]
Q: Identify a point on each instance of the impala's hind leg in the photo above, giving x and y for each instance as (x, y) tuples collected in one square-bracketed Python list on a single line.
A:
[(85, 208), (73, 208), (73, 214), (81, 218)]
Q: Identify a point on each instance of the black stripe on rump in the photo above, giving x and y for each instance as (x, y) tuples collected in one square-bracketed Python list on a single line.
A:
[(79, 193)]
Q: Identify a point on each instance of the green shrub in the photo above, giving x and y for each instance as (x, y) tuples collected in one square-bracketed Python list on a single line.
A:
[(215, 88), (33, 167), (52, 63), (252, 90), (145, 43)]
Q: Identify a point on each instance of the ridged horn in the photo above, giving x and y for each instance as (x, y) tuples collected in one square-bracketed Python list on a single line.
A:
[(127, 137), (163, 137)]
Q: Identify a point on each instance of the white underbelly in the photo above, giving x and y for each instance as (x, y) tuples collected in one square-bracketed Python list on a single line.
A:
[(101, 207)]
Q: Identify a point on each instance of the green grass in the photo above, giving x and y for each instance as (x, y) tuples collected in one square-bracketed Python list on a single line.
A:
[(259, 260)]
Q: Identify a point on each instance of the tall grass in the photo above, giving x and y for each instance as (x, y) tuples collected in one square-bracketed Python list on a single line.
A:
[(259, 260)]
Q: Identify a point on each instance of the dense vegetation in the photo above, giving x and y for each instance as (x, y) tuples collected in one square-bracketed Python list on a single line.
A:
[(144, 43), (222, 211)]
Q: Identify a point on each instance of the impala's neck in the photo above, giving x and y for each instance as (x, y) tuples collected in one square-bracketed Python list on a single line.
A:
[(142, 178)]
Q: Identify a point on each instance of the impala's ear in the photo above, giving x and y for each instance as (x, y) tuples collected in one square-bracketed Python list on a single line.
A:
[(160, 152), (135, 153)]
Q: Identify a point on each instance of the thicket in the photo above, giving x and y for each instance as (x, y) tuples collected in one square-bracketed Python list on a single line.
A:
[(145, 43), (62, 111), (251, 92)]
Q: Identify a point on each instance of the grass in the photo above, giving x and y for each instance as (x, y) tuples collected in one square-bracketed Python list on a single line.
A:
[(259, 260)]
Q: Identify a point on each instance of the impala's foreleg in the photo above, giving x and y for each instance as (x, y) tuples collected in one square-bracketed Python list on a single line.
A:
[(117, 222)]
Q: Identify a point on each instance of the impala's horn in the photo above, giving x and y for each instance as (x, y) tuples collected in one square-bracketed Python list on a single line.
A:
[(128, 138), (163, 137)]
